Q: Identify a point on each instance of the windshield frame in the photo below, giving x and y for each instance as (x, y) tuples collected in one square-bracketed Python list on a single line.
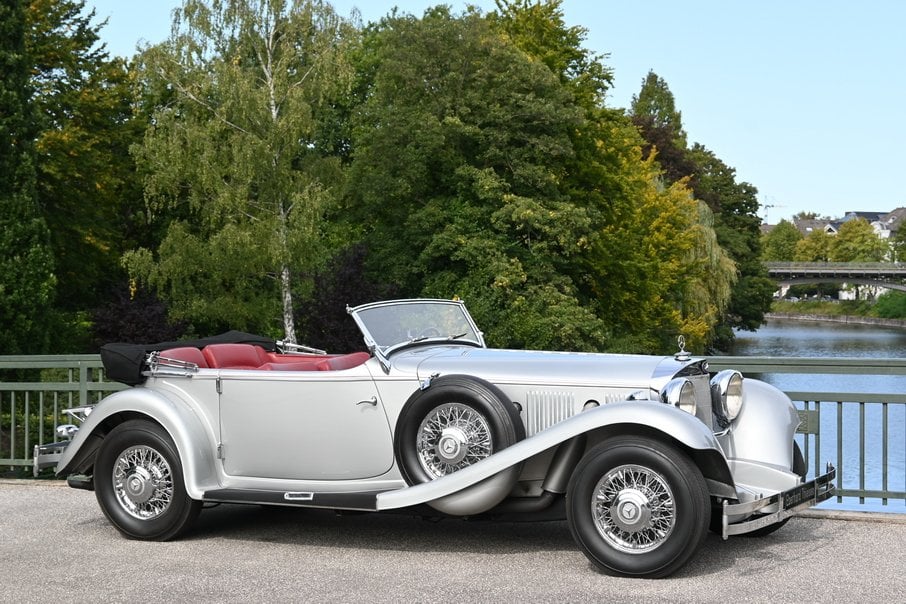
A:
[(383, 346)]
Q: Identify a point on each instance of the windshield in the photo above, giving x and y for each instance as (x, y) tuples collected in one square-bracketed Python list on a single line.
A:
[(388, 325)]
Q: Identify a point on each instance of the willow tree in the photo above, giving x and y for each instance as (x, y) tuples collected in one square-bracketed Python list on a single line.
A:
[(236, 156)]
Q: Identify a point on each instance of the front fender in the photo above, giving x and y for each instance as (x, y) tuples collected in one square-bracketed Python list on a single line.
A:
[(194, 441), (763, 432), (651, 415)]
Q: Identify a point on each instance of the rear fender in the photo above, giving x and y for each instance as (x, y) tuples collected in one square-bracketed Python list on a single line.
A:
[(645, 416), (194, 440)]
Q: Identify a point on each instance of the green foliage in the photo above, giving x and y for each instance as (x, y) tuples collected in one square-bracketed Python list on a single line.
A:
[(891, 305), (459, 149), (539, 29), (483, 167), (26, 263), (654, 108), (86, 180), (734, 204), (814, 247), (856, 241), (474, 155), (236, 152), (779, 244), (897, 244)]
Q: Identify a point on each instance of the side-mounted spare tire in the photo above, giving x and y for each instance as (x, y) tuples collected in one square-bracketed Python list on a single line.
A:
[(457, 421)]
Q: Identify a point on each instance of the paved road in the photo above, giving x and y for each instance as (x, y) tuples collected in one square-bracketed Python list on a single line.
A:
[(56, 546)]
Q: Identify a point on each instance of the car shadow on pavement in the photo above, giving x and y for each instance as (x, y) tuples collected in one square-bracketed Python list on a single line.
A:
[(410, 533), (384, 531)]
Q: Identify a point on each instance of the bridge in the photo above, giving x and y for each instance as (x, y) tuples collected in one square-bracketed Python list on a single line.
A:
[(891, 275)]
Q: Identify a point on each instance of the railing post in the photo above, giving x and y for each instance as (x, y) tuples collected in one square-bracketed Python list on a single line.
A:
[(83, 384)]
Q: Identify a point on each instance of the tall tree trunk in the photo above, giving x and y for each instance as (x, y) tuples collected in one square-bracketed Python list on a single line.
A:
[(289, 324)]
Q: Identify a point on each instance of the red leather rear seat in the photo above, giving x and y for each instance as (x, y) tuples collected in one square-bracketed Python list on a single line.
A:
[(235, 356), (188, 354)]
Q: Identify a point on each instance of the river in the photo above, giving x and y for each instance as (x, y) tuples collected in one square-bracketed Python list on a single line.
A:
[(788, 338)]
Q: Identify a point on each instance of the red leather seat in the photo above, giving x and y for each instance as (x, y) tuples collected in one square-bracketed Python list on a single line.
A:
[(188, 354), (307, 365), (346, 361), (235, 356)]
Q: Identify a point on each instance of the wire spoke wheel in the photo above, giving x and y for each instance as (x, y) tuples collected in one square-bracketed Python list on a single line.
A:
[(633, 509), (637, 506), (451, 437), (139, 482), (143, 482)]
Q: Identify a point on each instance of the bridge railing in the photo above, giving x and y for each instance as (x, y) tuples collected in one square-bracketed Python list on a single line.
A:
[(897, 268), (34, 391), (862, 433)]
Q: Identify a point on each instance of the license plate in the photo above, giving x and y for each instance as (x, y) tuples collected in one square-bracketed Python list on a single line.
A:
[(810, 493)]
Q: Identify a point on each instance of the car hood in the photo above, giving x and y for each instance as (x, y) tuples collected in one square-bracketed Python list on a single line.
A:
[(540, 367)]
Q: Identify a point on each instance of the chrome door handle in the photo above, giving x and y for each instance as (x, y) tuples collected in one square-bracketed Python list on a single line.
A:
[(372, 401)]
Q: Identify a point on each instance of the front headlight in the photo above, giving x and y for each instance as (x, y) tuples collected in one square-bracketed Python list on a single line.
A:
[(680, 392), (726, 395)]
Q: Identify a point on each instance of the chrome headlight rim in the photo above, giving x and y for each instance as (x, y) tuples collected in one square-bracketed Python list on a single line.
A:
[(727, 394), (680, 393)]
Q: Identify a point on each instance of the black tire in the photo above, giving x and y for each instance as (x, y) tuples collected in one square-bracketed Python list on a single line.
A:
[(798, 468), (637, 507), (139, 483), (480, 418)]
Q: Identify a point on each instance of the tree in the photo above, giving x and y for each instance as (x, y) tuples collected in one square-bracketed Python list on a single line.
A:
[(897, 244), (856, 241), (238, 149), (87, 187), (458, 152), (539, 29), (814, 247), (26, 263), (779, 244), (484, 167), (734, 204), (656, 105)]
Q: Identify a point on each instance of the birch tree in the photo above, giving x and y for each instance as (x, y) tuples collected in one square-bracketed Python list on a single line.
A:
[(237, 156)]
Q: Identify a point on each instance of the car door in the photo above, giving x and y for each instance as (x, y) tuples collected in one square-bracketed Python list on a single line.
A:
[(306, 425)]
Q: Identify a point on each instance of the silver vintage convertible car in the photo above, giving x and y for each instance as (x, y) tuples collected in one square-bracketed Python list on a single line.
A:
[(640, 454)]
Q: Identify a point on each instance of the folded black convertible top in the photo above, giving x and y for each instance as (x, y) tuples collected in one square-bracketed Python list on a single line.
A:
[(126, 362)]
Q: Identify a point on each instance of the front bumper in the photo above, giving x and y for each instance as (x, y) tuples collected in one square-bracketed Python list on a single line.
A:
[(777, 507)]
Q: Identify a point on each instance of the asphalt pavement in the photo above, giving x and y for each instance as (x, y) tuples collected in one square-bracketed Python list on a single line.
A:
[(57, 546)]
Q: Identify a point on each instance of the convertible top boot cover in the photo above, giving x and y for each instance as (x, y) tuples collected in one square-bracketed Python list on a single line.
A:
[(125, 362)]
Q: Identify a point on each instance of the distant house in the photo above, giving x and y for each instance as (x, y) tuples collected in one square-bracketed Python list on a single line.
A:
[(877, 220), (807, 226), (885, 224)]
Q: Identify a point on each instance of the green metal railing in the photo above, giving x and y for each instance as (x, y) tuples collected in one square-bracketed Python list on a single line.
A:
[(34, 391), (863, 434)]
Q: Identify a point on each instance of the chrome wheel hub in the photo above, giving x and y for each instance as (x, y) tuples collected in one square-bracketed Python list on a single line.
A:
[(451, 437), (138, 486), (630, 510), (452, 446), (633, 509), (142, 482)]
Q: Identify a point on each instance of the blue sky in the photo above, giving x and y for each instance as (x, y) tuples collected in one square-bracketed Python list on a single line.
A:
[(806, 99)]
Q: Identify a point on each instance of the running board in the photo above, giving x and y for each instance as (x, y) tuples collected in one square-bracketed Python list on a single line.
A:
[(358, 500)]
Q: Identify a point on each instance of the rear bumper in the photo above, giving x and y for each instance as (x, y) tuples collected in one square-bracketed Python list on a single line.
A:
[(777, 507), (48, 455)]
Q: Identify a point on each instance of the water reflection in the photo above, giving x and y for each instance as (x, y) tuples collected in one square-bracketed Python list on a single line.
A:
[(821, 339)]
